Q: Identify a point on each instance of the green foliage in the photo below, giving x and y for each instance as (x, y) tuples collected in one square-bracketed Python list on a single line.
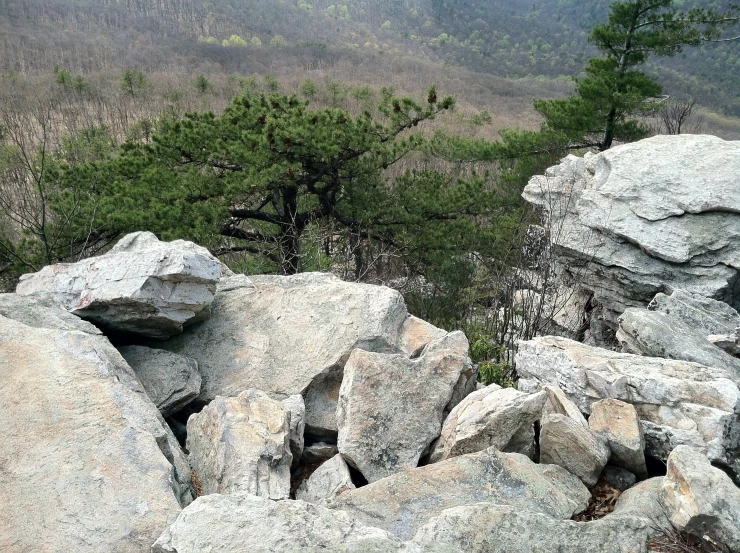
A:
[(492, 366), (278, 41), (234, 40), (202, 84), (308, 89), (501, 373), (133, 82), (255, 41)]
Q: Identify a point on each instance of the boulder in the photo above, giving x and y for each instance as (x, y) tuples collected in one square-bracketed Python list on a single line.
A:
[(617, 422), (318, 453), (171, 381), (704, 315), (493, 416), (141, 286), (486, 527), (327, 481), (402, 503), (296, 410), (700, 499), (629, 222), (678, 402), (244, 523), (290, 335), (415, 334), (642, 501), (87, 462), (43, 312), (557, 403), (242, 444), (391, 407), (574, 447), (618, 478)]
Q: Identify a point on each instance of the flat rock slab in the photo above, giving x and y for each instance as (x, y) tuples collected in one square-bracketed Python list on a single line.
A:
[(141, 286), (402, 503), (243, 523), (705, 315), (391, 407), (242, 444), (489, 417), (86, 459), (171, 381), (283, 334)]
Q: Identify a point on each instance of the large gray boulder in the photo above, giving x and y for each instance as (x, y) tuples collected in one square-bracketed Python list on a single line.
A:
[(243, 523), (290, 335), (141, 286), (678, 402), (242, 444), (493, 416), (486, 527), (700, 499), (87, 462), (629, 222), (171, 381), (402, 503), (391, 407), (703, 314)]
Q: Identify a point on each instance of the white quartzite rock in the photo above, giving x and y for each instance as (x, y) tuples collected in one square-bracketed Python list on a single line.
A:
[(489, 417), (330, 479), (390, 407), (705, 315), (415, 334), (617, 422), (86, 458), (641, 501), (243, 523), (141, 286), (557, 403), (700, 499), (296, 409), (242, 444), (172, 381), (402, 503)]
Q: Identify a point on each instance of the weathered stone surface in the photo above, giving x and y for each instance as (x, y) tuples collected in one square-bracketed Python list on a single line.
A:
[(642, 501), (86, 459), (678, 402), (142, 286), (290, 335), (402, 503), (700, 499), (703, 314), (415, 334), (484, 527), (657, 334), (296, 410), (327, 481), (617, 422), (318, 453), (243, 523), (629, 222), (557, 403), (42, 312), (576, 448), (390, 407), (493, 416), (171, 381), (242, 444)]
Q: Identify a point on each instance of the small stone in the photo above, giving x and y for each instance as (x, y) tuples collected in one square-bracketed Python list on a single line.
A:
[(618, 478), (327, 481)]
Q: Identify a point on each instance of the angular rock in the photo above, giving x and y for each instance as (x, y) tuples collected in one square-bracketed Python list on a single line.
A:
[(415, 334), (617, 422), (42, 312), (700, 499), (171, 381), (318, 453), (678, 402), (402, 503), (703, 314), (629, 222), (557, 403), (327, 481), (618, 478), (296, 409), (390, 407), (484, 527), (86, 459), (242, 444), (493, 416), (141, 286), (290, 335), (658, 334), (642, 501), (576, 448), (243, 523)]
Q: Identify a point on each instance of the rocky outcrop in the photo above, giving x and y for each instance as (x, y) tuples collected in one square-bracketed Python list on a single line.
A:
[(243, 523), (617, 422), (390, 407), (290, 335), (678, 402), (171, 381), (705, 315), (629, 222), (87, 462), (242, 444), (404, 502), (700, 499), (491, 417), (141, 286), (327, 481)]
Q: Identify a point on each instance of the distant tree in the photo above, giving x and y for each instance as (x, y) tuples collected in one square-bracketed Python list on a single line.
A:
[(308, 89), (271, 84), (62, 77), (202, 84), (234, 40), (256, 41), (278, 41), (677, 116), (133, 82)]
